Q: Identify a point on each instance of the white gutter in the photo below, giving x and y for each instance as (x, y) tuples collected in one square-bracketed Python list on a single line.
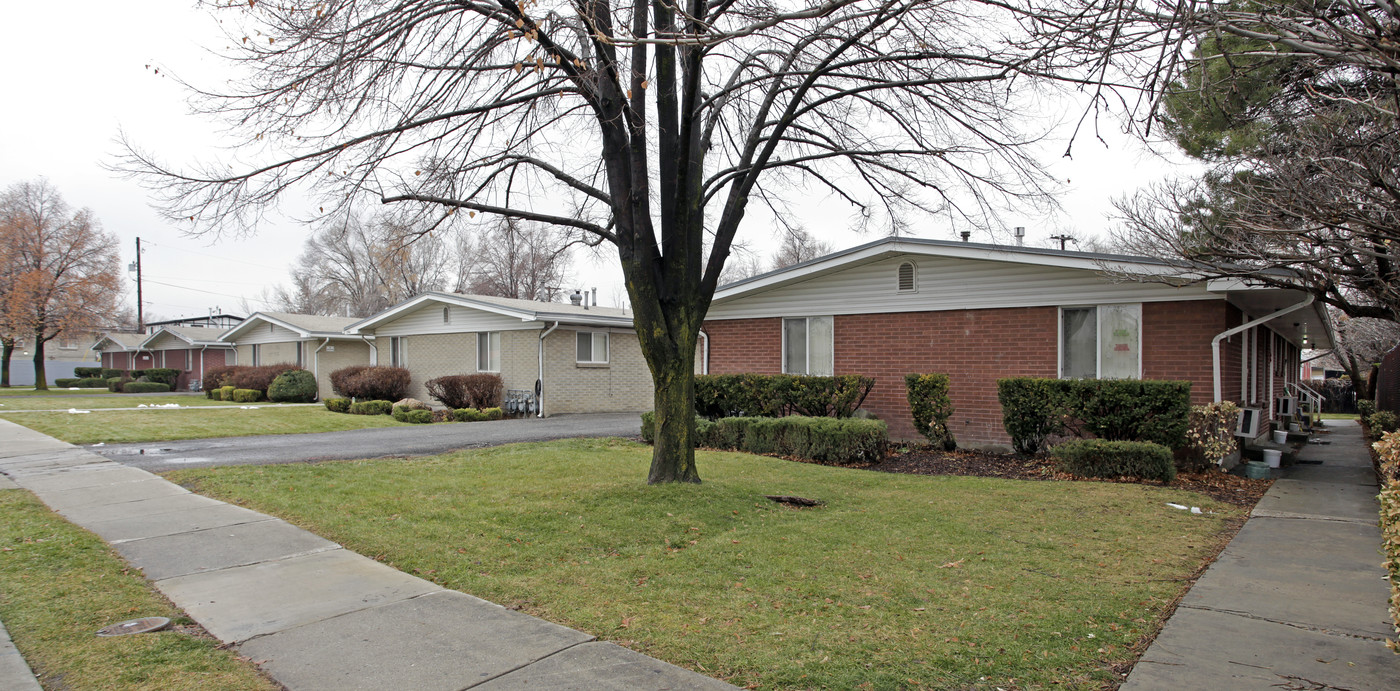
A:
[(705, 354), (540, 403), (373, 349), (1215, 342), (316, 364)]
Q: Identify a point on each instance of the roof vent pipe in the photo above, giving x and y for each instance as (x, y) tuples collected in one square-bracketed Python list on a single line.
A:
[(576, 299), (595, 296), (966, 235), (1020, 235)]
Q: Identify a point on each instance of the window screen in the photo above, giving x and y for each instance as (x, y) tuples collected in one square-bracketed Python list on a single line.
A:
[(488, 351), (1078, 343), (807, 346)]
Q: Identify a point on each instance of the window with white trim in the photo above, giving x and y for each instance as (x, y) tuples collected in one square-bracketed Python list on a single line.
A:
[(808, 346), (396, 351), (257, 354), (592, 347), (906, 279), (1101, 342), (189, 360), (488, 351)]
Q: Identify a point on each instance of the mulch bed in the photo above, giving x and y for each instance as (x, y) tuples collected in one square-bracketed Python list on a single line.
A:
[(1221, 486)]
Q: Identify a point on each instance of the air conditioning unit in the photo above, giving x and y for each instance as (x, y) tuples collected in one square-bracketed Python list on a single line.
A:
[(1287, 406), (1249, 422)]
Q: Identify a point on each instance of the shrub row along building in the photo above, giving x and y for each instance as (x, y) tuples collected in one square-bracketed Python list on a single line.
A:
[(884, 309)]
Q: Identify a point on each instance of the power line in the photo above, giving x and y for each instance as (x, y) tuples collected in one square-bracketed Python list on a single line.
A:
[(216, 256), (210, 292)]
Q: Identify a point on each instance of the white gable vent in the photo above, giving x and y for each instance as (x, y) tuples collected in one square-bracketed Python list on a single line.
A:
[(906, 281)]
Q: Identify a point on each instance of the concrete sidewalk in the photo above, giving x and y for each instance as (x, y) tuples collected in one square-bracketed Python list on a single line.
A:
[(313, 614), (1298, 598)]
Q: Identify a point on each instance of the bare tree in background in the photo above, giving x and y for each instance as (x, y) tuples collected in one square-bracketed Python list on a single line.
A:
[(798, 246), (1359, 347), (649, 125), (356, 265), (512, 258)]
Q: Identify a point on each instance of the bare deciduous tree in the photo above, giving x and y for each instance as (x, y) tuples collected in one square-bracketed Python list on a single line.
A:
[(62, 272), (798, 246), (650, 125), (516, 259)]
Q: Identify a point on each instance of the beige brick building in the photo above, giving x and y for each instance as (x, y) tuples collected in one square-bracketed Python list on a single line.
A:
[(315, 343), (583, 359)]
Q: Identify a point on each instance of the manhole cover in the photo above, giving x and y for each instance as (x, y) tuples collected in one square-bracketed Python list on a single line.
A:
[(143, 625)]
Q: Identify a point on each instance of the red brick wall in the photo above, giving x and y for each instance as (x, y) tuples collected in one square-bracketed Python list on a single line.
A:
[(975, 348)]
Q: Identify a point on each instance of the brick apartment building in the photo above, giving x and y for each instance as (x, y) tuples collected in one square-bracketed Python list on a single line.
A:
[(315, 343), (983, 312)]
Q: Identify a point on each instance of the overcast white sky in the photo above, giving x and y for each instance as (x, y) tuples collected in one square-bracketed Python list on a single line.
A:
[(78, 72)]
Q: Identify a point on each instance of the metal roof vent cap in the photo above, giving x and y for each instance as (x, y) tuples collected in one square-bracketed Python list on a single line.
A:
[(576, 299)]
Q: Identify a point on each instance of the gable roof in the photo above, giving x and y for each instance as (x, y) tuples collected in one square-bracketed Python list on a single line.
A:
[(124, 341), (524, 310), (304, 325), (192, 335)]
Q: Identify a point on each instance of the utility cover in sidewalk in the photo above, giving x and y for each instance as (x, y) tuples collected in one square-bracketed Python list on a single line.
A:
[(143, 625)]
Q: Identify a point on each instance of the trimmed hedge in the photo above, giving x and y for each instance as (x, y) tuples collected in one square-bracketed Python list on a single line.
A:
[(108, 373), (371, 408), (226, 392), (414, 416), (115, 384), (839, 441), (164, 375), (1112, 409), (467, 390), (66, 382), (88, 373), (371, 382), (90, 383), (293, 386), (145, 387), (1388, 458), (245, 396), (1104, 458), (337, 405), (478, 415), (930, 406), (779, 395)]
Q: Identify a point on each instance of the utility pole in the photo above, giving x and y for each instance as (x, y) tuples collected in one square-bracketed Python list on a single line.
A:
[(140, 315), (1063, 238)]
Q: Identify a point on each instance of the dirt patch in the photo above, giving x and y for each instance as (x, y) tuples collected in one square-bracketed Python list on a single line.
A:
[(1218, 485)]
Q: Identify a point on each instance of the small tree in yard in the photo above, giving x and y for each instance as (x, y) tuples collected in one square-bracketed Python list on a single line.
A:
[(649, 125), (60, 270)]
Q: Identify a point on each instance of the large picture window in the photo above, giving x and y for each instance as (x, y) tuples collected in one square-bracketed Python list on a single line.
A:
[(807, 346), (1101, 342), (488, 351), (593, 347)]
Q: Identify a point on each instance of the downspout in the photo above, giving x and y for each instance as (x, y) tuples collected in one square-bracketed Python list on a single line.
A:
[(540, 403), (373, 350), (201, 364), (1215, 342), (705, 354), (316, 364)]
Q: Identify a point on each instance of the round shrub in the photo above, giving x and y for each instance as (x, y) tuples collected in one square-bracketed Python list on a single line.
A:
[(371, 382), (293, 386), (1102, 458), (467, 390), (226, 392), (337, 405), (1365, 407), (246, 395), (1381, 422), (931, 407), (164, 375), (145, 387)]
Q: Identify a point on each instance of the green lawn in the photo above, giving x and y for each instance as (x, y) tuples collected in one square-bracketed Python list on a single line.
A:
[(1335, 416), (50, 392), (117, 426), (900, 581), (60, 584), (108, 401)]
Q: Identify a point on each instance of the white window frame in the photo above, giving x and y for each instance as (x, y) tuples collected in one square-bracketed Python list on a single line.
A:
[(1098, 338), (397, 356), (807, 355), (592, 347), (493, 354), (189, 360), (256, 354)]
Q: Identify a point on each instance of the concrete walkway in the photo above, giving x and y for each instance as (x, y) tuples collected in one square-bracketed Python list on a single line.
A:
[(311, 613), (1298, 598)]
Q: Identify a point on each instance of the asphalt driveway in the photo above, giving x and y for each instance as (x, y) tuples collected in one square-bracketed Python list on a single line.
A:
[(419, 440)]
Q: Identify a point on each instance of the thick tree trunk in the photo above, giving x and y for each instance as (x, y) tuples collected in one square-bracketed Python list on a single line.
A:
[(41, 381), (673, 455), (7, 350)]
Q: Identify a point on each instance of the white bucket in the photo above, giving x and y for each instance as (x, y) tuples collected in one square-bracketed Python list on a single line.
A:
[(1295, 427), (1280, 437), (1273, 457)]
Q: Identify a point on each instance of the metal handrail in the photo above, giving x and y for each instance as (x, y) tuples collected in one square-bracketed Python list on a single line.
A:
[(1305, 392)]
